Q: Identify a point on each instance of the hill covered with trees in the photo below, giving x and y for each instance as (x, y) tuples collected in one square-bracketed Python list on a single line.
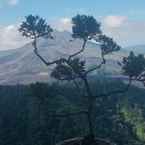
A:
[(28, 114)]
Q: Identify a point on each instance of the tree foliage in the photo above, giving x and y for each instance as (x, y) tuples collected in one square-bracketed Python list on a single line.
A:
[(85, 27), (108, 45), (35, 27), (134, 66)]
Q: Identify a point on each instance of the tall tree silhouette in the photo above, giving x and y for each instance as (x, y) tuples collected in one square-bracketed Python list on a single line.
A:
[(74, 68)]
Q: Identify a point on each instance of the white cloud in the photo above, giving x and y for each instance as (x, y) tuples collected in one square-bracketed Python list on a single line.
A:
[(13, 2), (114, 21), (124, 31), (62, 24), (10, 37)]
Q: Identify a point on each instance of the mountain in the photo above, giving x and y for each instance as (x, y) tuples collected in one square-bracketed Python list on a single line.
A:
[(22, 66)]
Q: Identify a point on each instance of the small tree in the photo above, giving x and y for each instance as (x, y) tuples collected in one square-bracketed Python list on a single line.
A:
[(73, 68), (134, 67)]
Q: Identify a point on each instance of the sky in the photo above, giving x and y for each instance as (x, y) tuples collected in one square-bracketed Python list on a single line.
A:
[(123, 20)]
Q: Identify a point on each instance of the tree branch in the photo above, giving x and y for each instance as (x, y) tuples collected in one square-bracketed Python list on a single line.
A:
[(141, 77), (95, 68), (42, 58), (80, 51), (98, 66)]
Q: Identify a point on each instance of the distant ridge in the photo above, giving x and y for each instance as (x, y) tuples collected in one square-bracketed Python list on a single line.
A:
[(22, 66)]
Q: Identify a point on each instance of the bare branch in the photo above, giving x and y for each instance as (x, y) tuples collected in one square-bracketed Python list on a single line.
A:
[(98, 66), (141, 77), (39, 56), (80, 51), (47, 63), (95, 68)]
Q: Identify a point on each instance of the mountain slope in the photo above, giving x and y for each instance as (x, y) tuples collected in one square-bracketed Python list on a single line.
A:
[(22, 66)]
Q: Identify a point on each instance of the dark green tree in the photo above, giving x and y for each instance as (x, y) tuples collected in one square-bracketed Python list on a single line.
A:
[(134, 67)]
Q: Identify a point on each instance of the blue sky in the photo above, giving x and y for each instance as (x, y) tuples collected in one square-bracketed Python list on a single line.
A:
[(124, 20), (51, 9)]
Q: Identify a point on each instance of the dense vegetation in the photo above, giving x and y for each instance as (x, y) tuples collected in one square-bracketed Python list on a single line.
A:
[(27, 114)]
